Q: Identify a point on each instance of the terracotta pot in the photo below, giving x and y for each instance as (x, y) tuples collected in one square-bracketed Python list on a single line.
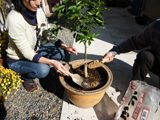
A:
[(82, 98), (2, 100), (1, 61)]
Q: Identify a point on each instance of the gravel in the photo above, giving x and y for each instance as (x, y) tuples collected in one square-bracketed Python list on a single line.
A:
[(43, 104)]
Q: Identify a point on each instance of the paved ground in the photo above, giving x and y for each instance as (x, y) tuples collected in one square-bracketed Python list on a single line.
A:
[(120, 25)]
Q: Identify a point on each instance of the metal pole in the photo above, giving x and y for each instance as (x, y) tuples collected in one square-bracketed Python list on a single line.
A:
[(4, 18)]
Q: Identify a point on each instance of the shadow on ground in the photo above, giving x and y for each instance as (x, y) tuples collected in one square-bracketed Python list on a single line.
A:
[(3, 112), (106, 108), (122, 74), (52, 84)]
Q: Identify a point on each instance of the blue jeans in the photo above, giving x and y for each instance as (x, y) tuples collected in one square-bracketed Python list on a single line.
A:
[(30, 70)]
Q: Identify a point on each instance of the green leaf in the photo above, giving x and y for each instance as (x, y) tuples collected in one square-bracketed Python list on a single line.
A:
[(101, 26), (89, 13), (95, 35), (97, 13), (59, 14), (55, 22), (94, 27), (105, 9), (59, 7), (81, 41), (56, 32), (99, 20), (79, 2), (96, 3), (81, 36), (89, 42), (65, 1), (74, 16), (79, 8), (72, 7), (85, 32)]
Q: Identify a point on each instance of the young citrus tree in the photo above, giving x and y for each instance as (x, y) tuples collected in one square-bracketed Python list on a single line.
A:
[(81, 16)]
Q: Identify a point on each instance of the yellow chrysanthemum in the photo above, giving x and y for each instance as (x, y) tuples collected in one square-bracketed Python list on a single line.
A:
[(9, 81), (4, 87)]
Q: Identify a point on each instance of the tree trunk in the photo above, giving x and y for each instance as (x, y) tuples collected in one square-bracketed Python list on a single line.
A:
[(85, 64)]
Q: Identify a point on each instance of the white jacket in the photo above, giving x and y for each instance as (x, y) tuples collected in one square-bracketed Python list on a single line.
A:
[(23, 37)]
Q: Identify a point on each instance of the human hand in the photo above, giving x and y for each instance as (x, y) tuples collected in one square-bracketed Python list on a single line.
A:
[(59, 67), (108, 55), (72, 50), (69, 49)]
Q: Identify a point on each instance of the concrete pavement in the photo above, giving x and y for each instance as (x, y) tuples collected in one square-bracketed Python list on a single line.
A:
[(120, 25)]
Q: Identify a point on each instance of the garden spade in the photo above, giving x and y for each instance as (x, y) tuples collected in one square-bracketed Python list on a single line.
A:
[(77, 79), (96, 63)]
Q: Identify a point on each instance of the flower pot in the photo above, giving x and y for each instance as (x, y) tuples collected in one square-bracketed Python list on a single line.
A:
[(83, 98), (1, 61)]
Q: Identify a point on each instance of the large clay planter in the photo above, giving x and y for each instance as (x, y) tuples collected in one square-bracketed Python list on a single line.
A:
[(82, 98)]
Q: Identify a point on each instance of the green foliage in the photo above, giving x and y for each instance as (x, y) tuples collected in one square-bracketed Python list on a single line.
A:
[(82, 16), (55, 30)]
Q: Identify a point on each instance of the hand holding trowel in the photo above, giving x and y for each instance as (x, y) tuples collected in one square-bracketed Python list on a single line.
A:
[(96, 63)]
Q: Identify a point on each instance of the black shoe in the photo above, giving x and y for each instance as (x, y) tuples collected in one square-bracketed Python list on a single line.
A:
[(30, 85)]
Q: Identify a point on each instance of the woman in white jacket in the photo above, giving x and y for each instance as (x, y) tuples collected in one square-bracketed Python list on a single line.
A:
[(27, 26)]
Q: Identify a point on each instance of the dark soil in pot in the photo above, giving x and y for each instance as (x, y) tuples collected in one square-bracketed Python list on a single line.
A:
[(96, 79)]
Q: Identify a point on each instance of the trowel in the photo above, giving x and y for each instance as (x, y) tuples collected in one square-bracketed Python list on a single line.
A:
[(96, 63), (77, 79)]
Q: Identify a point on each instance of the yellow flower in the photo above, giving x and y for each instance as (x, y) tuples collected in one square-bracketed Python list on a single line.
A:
[(4, 87), (9, 81)]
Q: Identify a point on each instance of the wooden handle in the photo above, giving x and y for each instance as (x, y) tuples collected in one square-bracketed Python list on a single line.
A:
[(70, 74)]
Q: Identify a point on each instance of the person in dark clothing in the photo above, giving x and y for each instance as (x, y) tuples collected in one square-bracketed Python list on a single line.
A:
[(146, 60)]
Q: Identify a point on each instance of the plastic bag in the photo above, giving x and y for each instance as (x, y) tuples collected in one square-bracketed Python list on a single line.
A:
[(140, 102)]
